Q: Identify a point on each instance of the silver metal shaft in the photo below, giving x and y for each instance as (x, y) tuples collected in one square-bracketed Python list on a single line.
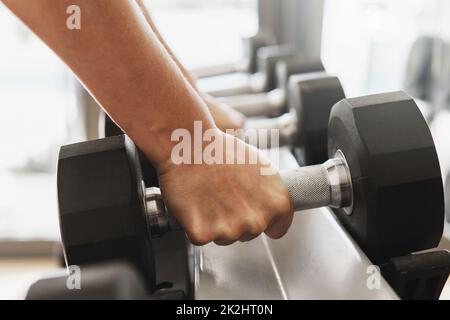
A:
[(271, 133), (256, 83), (328, 184), (258, 104), (159, 221)]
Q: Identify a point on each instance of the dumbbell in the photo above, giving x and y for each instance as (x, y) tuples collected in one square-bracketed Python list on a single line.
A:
[(420, 76), (261, 81), (310, 98), (250, 46), (107, 128), (248, 64), (424, 70), (107, 281), (382, 180), (274, 102)]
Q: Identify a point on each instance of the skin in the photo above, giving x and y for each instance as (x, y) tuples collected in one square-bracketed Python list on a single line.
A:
[(224, 116), (119, 58)]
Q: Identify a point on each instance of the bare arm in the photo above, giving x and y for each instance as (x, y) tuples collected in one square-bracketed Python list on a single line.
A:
[(224, 116), (122, 63), (115, 48), (152, 24)]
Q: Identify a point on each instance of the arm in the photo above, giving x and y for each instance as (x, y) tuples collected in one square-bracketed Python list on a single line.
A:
[(122, 63), (224, 116), (114, 49), (152, 25)]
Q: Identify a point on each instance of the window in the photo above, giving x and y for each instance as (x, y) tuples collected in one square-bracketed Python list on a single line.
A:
[(206, 32), (367, 42), (37, 105)]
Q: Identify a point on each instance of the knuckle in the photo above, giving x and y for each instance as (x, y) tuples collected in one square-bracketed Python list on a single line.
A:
[(224, 242), (255, 225), (199, 237), (227, 233), (274, 235)]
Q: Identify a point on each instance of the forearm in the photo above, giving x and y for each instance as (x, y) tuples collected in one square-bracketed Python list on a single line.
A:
[(120, 60), (224, 116), (152, 24)]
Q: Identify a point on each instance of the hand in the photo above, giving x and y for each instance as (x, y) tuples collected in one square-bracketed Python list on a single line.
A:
[(224, 116), (227, 203)]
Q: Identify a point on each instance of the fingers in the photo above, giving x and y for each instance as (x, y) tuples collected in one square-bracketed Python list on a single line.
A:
[(247, 228), (279, 227), (224, 231), (236, 204)]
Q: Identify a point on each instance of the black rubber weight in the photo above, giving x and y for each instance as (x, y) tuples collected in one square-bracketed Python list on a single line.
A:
[(148, 171), (295, 65), (101, 210), (111, 281), (397, 183), (268, 57), (312, 96)]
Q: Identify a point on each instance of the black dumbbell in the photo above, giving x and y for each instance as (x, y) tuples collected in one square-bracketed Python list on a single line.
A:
[(250, 46), (107, 128), (110, 281), (248, 64), (274, 102), (383, 181), (420, 76), (425, 71), (264, 79), (310, 100)]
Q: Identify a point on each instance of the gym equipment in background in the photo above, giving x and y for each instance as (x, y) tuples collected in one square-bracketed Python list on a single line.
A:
[(311, 97), (261, 81), (274, 102), (248, 63), (424, 74), (106, 281)]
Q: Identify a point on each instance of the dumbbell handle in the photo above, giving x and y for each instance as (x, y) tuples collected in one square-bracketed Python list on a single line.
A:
[(256, 83), (328, 184), (258, 104), (286, 126)]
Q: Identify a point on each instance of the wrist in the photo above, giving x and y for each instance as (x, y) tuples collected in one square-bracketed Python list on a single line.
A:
[(169, 149)]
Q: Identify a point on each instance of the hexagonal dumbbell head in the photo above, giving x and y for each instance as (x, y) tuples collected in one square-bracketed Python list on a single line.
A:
[(311, 97), (268, 58), (108, 128), (250, 46), (295, 65), (101, 207), (398, 205)]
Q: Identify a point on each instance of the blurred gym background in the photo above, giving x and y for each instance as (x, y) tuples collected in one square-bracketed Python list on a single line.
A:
[(367, 43)]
